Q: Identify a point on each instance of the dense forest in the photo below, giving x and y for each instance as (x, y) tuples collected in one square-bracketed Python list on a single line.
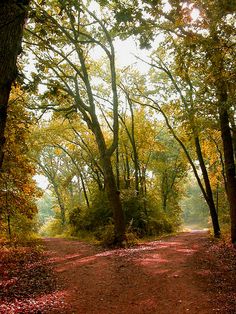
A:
[(126, 151)]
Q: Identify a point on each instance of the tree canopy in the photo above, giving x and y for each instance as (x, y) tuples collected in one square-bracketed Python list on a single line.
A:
[(118, 144)]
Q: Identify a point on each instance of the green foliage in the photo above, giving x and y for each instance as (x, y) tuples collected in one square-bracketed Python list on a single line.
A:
[(134, 208), (84, 94), (161, 225), (131, 238), (195, 210), (45, 208), (52, 228), (18, 191), (143, 217), (90, 219), (106, 236), (22, 228)]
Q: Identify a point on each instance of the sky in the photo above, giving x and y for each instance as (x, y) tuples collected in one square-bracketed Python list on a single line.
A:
[(41, 181)]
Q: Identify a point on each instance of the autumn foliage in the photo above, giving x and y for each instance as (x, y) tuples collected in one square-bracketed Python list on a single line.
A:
[(18, 189)]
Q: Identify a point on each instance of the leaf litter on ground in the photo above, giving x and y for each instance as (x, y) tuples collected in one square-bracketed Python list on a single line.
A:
[(27, 281)]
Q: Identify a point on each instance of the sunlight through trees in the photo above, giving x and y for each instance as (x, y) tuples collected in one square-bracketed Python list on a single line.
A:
[(118, 141)]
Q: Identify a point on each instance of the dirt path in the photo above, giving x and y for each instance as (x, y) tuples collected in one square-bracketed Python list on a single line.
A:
[(183, 274), (165, 277)]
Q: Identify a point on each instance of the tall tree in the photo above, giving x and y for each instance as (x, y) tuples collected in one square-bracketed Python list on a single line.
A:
[(72, 75), (206, 29), (52, 167), (188, 106), (12, 16)]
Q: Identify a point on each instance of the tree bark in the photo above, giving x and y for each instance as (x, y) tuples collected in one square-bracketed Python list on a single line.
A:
[(60, 203), (222, 93), (117, 169), (164, 191), (233, 134), (209, 199), (84, 190), (229, 166), (12, 18), (125, 158), (110, 186), (114, 198)]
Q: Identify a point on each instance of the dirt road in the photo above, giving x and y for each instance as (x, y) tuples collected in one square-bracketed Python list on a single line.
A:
[(181, 274), (164, 277)]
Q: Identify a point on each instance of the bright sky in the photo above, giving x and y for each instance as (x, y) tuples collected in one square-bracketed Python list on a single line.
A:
[(126, 52), (41, 181)]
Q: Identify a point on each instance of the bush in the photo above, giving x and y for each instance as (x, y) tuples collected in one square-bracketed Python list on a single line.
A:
[(106, 235), (143, 217), (135, 213), (131, 238), (160, 226), (93, 218)]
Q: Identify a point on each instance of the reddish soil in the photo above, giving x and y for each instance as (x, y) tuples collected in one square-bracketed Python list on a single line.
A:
[(176, 275)]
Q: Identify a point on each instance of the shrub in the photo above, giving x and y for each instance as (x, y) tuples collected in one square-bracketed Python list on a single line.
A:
[(106, 235), (160, 226), (91, 219), (131, 238)]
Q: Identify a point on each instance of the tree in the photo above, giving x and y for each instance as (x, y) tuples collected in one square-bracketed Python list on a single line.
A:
[(52, 167), (71, 75), (12, 15), (18, 191), (188, 103), (208, 41), (216, 46), (66, 153), (172, 169)]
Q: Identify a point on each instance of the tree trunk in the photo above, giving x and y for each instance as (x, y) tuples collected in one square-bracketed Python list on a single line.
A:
[(233, 135), (60, 203), (229, 166), (12, 18), (210, 199), (164, 191), (135, 159), (127, 170), (113, 194), (84, 190), (137, 172), (222, 92), (117, 169), (114, 198)]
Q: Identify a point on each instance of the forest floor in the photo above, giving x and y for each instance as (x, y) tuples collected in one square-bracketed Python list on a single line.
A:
[(187, 273)]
